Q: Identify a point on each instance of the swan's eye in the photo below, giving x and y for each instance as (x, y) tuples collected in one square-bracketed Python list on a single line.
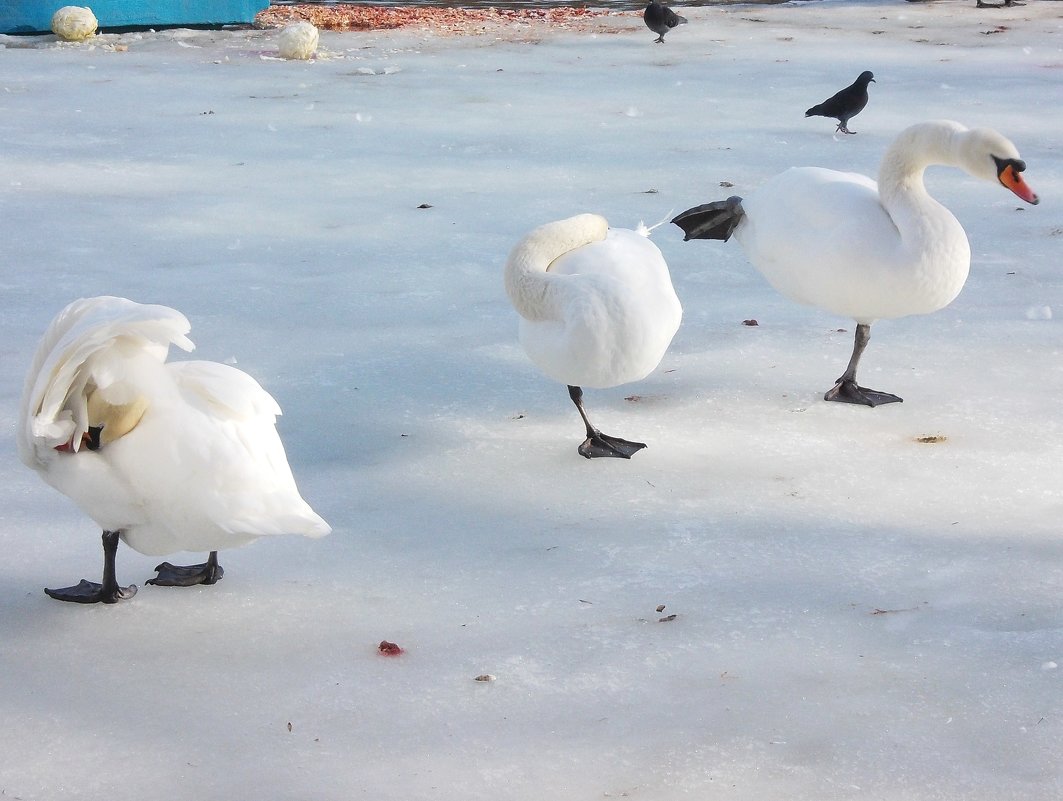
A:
[(1018, 165)]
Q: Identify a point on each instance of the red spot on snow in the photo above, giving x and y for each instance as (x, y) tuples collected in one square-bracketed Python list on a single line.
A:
[(389, 648)]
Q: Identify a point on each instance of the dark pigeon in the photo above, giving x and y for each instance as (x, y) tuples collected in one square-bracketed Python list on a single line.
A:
[(661, 19), (845, 105)]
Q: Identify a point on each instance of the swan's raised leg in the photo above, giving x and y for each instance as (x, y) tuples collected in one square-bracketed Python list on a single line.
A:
[(598, 444), (846, 390), (209, 572), (107, 591)]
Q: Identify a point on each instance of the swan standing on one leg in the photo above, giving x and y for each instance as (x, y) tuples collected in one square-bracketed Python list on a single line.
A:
[(868, 251), (597, 309), (180, 456)]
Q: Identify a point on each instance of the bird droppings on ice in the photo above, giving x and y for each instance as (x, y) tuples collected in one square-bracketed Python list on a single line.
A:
[(930, 439)]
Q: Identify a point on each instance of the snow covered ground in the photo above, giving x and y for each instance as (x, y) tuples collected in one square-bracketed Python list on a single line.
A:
[(859, 614)]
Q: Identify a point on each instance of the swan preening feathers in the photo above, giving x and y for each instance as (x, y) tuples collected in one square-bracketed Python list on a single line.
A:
[(867, 251), (597, 309), (166, 456)]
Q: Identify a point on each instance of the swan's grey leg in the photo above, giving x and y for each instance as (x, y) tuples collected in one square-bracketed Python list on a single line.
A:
[(846, 390), (107, 591), (598, 444)]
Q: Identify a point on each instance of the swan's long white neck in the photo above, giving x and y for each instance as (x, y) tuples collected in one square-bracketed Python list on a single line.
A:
[(533, 291), (900, 180)]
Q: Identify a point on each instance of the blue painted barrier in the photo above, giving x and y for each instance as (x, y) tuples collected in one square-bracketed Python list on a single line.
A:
[(35, 16)]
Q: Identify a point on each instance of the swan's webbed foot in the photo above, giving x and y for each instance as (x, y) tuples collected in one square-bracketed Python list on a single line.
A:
[(599, 445), (209, 572), (847, 391), (90, 592), (108, 590)]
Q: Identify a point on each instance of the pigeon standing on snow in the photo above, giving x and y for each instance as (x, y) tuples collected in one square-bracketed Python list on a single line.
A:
[(661, 19), (845, 105)]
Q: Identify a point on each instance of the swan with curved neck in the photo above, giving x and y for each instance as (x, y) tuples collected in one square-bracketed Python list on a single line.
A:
[(165, 456), (866, 250), (597, 309)]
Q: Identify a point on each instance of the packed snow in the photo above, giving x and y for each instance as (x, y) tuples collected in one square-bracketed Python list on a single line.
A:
[(780, 598)]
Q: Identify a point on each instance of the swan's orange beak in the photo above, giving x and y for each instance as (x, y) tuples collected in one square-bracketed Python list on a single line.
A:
[(1012, 178)]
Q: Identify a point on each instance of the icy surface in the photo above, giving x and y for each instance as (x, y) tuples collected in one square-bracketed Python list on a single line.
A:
[(868, 602)]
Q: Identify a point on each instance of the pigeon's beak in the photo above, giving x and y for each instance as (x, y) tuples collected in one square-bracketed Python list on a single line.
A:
[(1010, 175)]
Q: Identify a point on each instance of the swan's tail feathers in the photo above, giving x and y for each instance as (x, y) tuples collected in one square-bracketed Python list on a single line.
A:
[(645, 230), (716, 220)]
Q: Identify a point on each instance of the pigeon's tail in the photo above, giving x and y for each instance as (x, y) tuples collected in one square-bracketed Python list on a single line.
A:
[(716, 220), (680, 20)]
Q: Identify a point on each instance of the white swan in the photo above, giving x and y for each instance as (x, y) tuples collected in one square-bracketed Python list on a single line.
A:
[(597, 309), (180, 456), (868, 251)]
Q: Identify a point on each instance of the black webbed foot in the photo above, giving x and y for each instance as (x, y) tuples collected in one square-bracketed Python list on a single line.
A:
[(90, 592), (599, 445), (846, 391), (108, 591), (209, 572)]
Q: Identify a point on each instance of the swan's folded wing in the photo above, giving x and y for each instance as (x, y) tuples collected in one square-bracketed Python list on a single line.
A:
[(226, 391), (53, 409), (261, 497)]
